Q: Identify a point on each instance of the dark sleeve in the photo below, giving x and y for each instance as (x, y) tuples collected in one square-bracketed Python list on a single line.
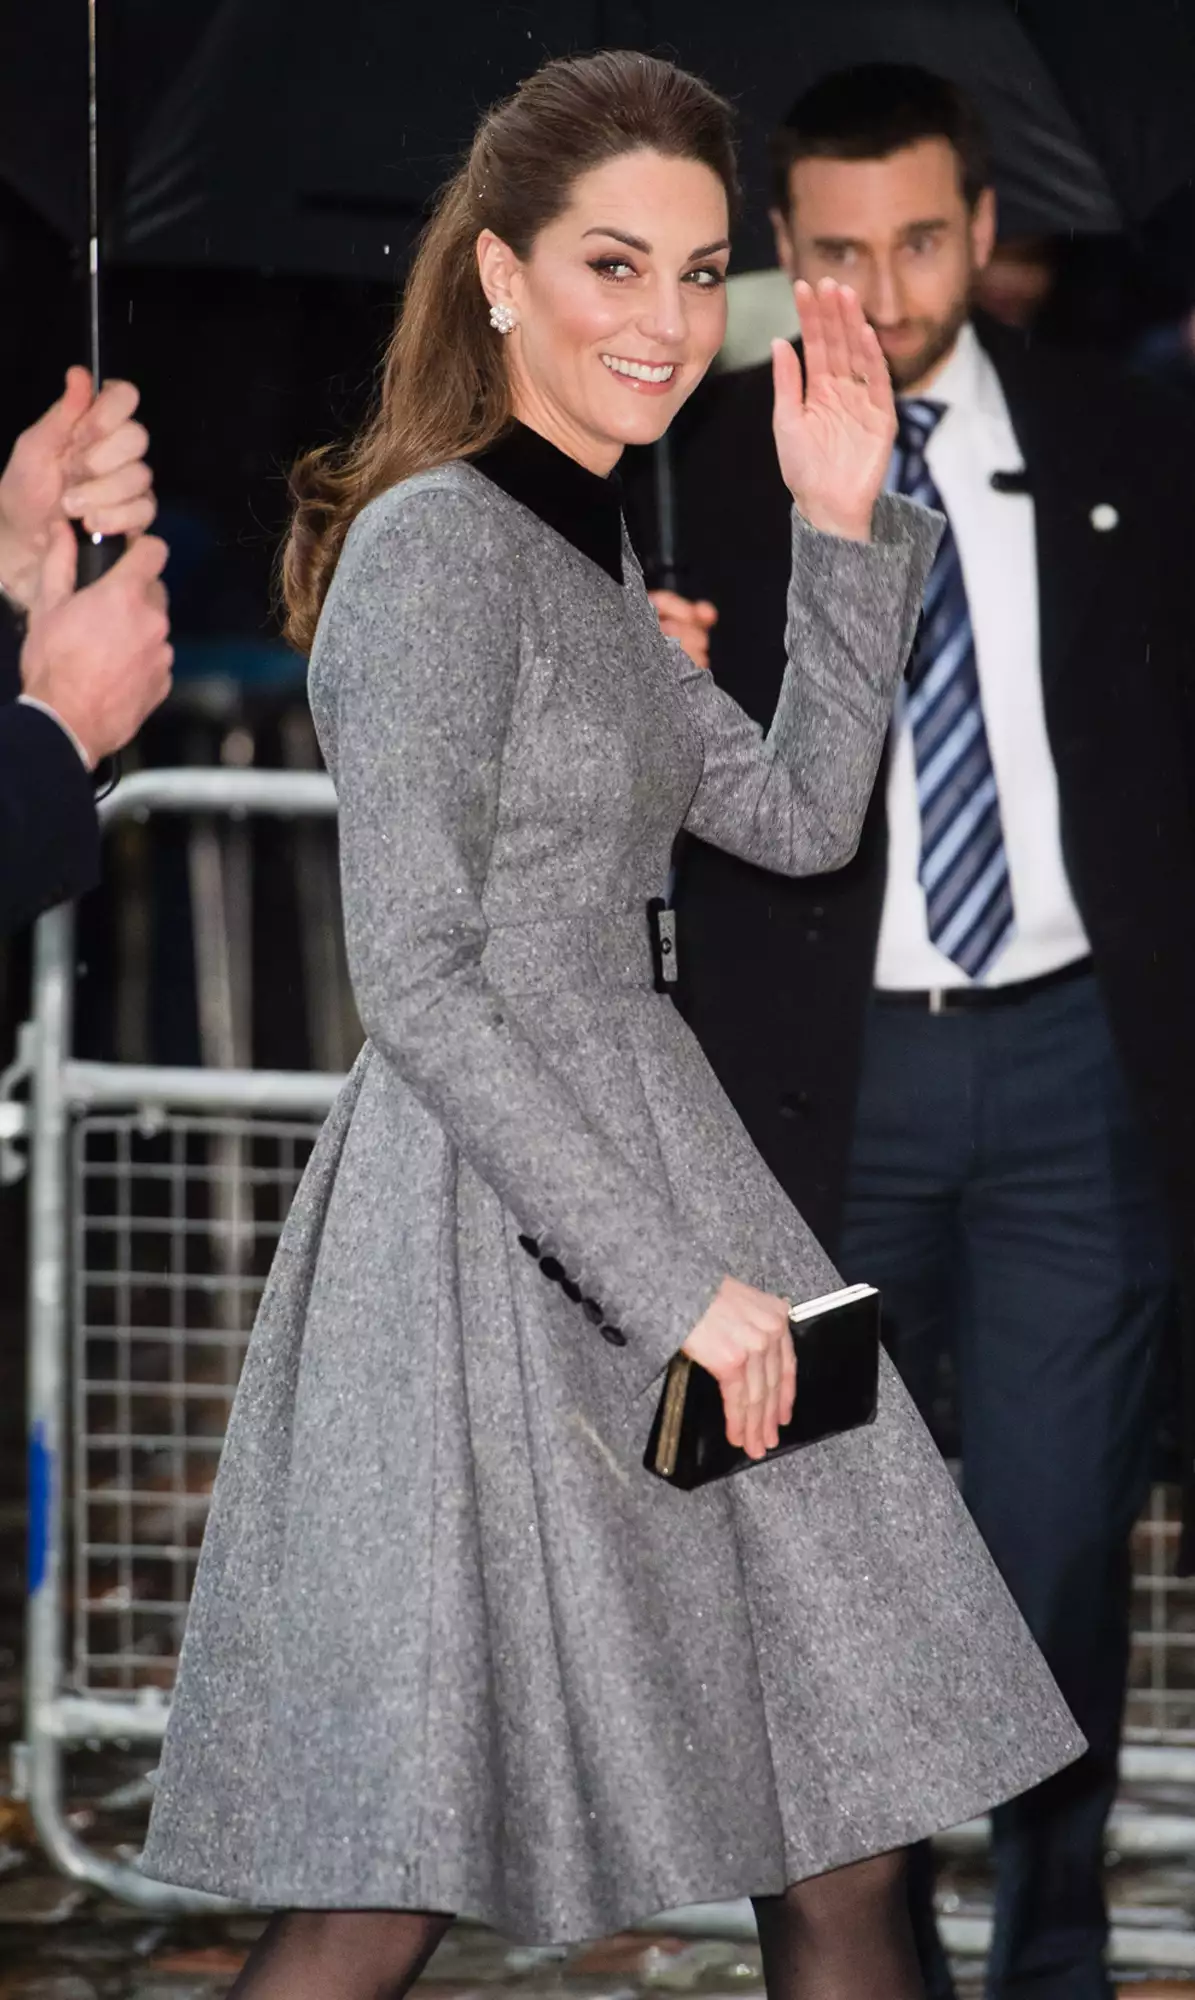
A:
[(49, 833)]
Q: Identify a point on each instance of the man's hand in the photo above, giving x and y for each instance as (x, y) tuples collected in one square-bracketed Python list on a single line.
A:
[(100, 657), (687, 620), (84, 459)]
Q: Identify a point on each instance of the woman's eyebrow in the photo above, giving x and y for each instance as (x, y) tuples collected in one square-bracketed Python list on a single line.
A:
[(637, 243)]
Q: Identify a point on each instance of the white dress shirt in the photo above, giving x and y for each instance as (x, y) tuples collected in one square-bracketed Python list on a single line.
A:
[(996, 542)]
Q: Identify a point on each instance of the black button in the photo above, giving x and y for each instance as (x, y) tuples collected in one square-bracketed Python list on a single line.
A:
[(592, 1311), (571, 1291), (795, 1104), (813, 935), (529, 1244), (551, 1269), (613, 1334)]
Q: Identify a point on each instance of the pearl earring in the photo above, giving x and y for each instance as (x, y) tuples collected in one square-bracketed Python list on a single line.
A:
[(503, 319)]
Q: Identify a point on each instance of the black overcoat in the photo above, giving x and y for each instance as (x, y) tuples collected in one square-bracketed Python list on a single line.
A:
[(49, 833)]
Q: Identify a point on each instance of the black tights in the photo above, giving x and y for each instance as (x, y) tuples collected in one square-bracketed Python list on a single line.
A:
[(339, 1955), (842, 1936)]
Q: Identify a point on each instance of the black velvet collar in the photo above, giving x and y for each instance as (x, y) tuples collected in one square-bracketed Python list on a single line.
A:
[(578, 504)]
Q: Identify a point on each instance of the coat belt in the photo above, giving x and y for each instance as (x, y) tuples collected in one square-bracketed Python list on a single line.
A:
[(579, 953)]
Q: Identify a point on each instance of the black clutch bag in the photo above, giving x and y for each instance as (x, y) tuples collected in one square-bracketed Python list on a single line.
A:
[(837, 1340)]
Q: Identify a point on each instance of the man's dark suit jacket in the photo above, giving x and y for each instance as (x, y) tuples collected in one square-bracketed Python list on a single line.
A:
[(49, 834), (775, 974)]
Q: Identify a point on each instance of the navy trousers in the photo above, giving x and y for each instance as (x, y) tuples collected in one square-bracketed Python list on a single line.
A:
[(1001, 1198)]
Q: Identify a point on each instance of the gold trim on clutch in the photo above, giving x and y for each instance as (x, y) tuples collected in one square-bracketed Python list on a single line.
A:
[(676, 1388)]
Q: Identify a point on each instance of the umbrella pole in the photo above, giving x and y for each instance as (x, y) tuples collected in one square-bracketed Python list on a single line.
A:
[(93, 198), (97, 553)]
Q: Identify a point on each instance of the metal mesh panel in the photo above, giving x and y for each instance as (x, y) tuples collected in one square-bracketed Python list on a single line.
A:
[(175, 1220), (1162, 1676)]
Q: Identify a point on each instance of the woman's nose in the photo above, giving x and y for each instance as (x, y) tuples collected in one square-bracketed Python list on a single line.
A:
[(663, 315)]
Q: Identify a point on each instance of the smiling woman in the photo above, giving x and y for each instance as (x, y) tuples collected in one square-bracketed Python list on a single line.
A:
[(628, 282), (574, 201), (452, 1648)]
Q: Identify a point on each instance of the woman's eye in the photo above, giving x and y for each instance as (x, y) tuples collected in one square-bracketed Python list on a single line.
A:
[(706, 277), (612, 267)]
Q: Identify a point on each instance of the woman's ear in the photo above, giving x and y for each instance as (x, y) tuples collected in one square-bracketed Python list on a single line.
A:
[(496, 267)]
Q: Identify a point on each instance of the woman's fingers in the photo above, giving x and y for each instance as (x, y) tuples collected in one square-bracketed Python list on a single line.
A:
[(854, 328), (734, 1401), (744, 1339), (879, 381), (813, 331), (866, 356), (788, 1385), (766, 1311), (838, 353), (755, 1439), (788, 389), (774, 1372)]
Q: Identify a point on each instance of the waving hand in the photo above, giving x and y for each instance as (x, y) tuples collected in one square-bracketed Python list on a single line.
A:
[(835, 430)]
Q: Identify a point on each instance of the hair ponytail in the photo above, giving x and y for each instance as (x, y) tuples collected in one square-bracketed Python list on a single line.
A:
[(461, 406)]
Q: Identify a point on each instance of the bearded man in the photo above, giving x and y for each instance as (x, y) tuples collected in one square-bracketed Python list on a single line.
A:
[(968, 1056)]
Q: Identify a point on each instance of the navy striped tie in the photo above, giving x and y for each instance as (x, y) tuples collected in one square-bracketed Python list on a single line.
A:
[(964, 866)]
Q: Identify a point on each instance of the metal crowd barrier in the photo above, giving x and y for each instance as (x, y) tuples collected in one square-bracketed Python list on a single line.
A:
[(155, 1199)]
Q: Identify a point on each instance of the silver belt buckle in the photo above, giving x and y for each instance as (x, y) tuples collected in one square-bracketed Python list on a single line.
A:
[(937, 999), (662, 926)]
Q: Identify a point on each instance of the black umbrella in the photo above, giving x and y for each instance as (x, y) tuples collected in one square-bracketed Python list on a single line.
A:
[(296, 136), (47, 98), (304, 137), (1088, 102), (311, 138), (57, 142)]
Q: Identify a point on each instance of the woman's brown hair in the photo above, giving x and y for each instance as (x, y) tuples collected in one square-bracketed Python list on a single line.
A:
[(444, 392)]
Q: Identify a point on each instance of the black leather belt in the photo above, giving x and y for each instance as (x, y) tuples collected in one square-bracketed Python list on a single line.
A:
[(962, 999)]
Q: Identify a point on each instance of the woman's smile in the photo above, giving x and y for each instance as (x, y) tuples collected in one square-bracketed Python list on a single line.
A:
[(654, 377)]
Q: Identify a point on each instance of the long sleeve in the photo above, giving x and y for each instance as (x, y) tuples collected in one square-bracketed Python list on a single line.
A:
[(794, 800), (414, 676), (49, 833)]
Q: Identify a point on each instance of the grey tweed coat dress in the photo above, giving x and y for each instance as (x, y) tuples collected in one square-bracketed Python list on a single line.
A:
[(451, 1646)]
